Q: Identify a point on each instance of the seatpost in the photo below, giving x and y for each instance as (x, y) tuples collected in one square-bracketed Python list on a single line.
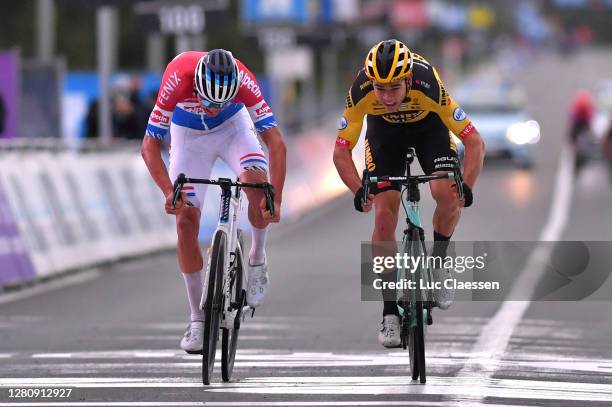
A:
[(413, 194), (226, 194)]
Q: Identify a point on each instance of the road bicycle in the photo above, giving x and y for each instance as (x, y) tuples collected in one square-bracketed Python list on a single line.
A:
[(224, 297), (414, 305)]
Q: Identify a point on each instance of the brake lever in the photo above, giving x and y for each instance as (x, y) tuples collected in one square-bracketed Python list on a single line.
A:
[(459, 183), (365, 184), (269, 193), (178, 186)]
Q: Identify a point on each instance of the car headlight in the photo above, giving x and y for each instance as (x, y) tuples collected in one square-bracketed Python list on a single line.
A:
[(524, 132)]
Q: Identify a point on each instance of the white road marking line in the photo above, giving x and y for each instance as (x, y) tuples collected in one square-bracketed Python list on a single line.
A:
[(493, 340), (452, 386), (175, 338), (54, 284), (230, 404), (529, 363), (247, 325), (347, 385)]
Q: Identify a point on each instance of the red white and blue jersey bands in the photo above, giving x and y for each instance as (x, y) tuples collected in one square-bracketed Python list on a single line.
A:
[(177, 102)]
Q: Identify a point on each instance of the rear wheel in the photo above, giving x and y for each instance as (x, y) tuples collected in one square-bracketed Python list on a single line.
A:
[(420, 342), (229, 339), (412, 352), (212, 305)]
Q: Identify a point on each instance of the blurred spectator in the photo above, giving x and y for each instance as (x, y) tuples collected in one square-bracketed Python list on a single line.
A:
[(607, 147), (91, 121), (129, 113), (581, 114), (580, 134), (150, 101), (2, 114)]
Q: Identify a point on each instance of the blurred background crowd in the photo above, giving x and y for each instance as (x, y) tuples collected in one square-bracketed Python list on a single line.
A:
[(61, 59)]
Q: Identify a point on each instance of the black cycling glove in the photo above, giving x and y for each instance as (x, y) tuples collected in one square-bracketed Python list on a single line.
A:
[(468, 196), (358, 200)]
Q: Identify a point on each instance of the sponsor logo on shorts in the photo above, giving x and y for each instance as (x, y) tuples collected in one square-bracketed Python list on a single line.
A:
[(459, 114), (343, 123), (368, 156), (445, 159)]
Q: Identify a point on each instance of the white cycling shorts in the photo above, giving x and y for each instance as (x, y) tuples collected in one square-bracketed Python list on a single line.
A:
[(194, 152)]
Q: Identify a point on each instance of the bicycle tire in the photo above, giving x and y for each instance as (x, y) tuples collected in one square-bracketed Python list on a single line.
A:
[(412, 351), (416, 335), (212, 305), (408, 329), (229, 337), (420, 342)]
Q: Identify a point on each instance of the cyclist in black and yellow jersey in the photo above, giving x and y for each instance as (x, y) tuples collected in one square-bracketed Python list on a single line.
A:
[(406, 105)]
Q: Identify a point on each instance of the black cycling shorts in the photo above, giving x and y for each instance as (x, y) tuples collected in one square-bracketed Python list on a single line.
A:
[(387, 144)]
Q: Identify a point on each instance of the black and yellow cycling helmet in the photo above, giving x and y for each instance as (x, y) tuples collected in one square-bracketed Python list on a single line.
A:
[(388, 61)]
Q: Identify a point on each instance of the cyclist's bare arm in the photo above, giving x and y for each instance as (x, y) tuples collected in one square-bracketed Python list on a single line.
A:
[(151, 153), (474, 157), (343, 160), (277, 150)]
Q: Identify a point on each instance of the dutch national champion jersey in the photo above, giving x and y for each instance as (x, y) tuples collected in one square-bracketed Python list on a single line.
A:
[(427, 96), (177, 102)]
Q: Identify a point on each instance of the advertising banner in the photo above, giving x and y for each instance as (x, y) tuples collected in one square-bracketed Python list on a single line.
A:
[(9, 94), (15, 265)]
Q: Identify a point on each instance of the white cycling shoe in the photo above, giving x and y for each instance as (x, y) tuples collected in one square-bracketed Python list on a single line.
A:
[(258, 284), (444, 296), (193, 339), (389, 335)]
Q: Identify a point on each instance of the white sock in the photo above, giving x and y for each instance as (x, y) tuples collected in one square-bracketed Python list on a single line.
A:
[(193, 282), (257, 255)]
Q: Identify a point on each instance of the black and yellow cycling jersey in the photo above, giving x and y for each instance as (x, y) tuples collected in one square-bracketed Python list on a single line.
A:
[(426, 97)]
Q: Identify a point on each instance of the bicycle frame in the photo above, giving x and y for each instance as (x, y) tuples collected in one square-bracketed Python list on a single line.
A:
[(229, 207)]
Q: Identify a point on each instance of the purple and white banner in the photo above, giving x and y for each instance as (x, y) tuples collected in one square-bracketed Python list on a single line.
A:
[(9, 94), (15, 265)]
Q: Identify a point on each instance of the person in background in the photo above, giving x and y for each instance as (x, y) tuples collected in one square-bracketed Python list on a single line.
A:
[(580, 133)]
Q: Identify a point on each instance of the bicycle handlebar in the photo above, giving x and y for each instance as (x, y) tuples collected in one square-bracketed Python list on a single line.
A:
[(418, 179), (224, 183)]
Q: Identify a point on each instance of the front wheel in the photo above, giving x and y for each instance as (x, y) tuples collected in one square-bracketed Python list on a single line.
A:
[(415, 317), (213, 304), (229, 338)]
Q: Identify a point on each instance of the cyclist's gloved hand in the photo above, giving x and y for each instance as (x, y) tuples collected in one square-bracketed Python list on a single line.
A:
[(359, 200), (468, 196)]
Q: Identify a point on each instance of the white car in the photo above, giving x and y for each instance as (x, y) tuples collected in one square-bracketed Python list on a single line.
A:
[(498, 112)]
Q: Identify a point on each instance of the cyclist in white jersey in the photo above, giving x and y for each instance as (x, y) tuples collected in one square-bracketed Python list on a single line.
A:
[(213, 107)]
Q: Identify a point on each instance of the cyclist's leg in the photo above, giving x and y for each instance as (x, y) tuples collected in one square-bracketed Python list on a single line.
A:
[(189, 156), (437, 152), (246, 157), (385, 155)]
